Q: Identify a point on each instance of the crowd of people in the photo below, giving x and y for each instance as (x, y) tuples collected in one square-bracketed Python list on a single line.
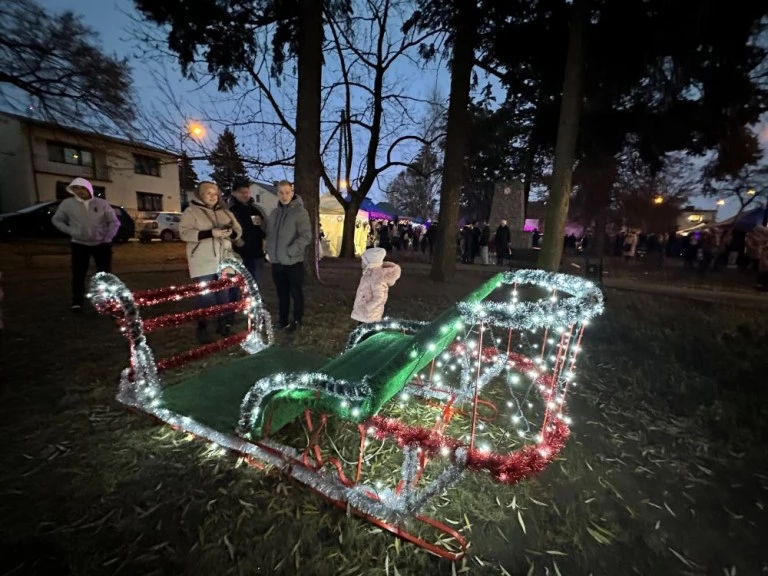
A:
[(215, 231)]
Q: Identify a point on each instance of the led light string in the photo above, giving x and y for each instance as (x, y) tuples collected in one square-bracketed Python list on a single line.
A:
[(548, 368), (585, 302), (174, 293), (179, 318), (363, 331), (350, 395)]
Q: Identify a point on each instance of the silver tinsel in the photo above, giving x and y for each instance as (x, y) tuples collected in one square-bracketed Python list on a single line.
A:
[(257, 315), (353, 393), (142, 387), (385, 325), (584, 302)]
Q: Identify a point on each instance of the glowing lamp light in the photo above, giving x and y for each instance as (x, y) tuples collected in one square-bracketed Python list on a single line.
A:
[(196, 130)]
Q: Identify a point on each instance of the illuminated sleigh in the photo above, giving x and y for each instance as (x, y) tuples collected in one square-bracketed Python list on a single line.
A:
[(428, 391)]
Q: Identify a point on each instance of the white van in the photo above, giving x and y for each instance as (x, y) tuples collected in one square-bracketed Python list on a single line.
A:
[(163, 225)]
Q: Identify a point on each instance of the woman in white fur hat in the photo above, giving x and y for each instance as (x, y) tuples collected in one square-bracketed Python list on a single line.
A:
[(378, 277)]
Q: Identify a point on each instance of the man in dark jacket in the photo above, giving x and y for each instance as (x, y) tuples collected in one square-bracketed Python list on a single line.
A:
[(502, 240), (253, 221), (289, 232)]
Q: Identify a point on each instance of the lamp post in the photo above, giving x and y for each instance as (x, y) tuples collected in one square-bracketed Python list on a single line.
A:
[(191, 130)]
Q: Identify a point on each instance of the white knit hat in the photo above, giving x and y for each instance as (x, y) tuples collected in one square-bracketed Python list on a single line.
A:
[(373, 257), (80, 182)]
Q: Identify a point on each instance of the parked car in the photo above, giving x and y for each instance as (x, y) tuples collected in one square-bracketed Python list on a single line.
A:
[(163, 225), (35, 222)]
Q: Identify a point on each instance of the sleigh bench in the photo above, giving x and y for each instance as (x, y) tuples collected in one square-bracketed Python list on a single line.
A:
[(457, 369)]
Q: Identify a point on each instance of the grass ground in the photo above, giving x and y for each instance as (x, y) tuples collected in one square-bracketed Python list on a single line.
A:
[(664, 472)]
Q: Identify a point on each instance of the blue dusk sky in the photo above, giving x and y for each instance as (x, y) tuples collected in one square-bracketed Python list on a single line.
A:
[(111, 19)]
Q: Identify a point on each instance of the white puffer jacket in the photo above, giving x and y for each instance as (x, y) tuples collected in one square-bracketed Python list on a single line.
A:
[(204, 252)]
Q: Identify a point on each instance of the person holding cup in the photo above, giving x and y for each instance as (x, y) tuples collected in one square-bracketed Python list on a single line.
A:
[(210, 230)]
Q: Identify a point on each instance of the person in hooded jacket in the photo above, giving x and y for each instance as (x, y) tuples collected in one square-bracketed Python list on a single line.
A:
[(91, 224), (209, 230), (289, 234), (253, 221), (372, 292)]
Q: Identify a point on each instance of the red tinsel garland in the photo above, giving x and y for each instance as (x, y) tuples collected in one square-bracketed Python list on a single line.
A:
[(169, 320), (201, 352), (174, 293), (506, 468)]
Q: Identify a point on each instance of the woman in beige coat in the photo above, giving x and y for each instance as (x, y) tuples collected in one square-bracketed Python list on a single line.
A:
[(209, 229)]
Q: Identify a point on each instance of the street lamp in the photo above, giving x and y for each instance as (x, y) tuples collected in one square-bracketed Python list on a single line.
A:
[(196, 131), (720, 202), (751, 192), (658, 200)]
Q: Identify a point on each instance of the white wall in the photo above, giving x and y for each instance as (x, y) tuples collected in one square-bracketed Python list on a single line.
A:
[(16, 190), (264, 198), (114, 170)]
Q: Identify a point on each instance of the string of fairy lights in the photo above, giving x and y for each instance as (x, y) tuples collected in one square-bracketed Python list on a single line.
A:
[(529, 347)]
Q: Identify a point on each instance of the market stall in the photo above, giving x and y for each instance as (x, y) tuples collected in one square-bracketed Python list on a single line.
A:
[(332, 223)]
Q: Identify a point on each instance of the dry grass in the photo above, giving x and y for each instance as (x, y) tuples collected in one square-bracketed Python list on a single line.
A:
[(664, 472)]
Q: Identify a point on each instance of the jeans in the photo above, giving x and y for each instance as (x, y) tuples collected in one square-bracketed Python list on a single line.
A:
[(484, 254), (255, 266), (212, 298), (289, 282), (81, 258)]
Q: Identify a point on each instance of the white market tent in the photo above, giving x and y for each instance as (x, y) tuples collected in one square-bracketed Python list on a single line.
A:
[(332, 221)]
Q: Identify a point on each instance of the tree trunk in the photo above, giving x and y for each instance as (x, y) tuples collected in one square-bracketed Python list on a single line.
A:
[(348, 234), (601, 222), (530, 163), (565, 147), (309, 68), (457, 128)]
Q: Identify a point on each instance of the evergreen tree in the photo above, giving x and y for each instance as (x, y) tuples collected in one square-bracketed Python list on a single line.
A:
[(415, 190), (228, 169), (188, 179)]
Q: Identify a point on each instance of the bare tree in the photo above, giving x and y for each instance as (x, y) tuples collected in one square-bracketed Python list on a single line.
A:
[(52, 65), (370, 120), (746, 187), (415, 190)]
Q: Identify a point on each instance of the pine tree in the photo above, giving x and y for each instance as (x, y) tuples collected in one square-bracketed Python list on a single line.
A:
[(188, 179), (415, 190), (228, 169)]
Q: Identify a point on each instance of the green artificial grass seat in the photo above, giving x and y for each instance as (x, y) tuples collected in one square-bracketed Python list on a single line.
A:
[(214, 395), (386, 362)]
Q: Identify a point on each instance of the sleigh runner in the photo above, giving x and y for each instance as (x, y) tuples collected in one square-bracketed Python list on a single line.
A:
[(428, 390)]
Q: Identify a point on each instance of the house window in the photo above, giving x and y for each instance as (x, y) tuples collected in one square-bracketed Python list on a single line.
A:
[(258, 198), (69, 154), (147, 165), (146, 202), (62, 194)]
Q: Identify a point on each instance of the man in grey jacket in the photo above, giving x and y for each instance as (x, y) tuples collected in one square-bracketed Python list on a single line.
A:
[(91, 224), (290, 232)]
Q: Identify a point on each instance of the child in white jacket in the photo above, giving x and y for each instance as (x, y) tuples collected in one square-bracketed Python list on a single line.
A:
[(378, 277)]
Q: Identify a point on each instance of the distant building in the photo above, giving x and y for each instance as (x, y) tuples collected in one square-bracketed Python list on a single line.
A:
[(690, 217), (265, 195), (39, 159)]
